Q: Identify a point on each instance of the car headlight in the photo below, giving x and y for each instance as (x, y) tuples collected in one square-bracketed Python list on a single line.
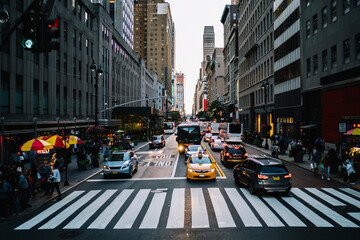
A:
[(181, 148), (190, 170), (213, 170), (106, 167), (126, 164)]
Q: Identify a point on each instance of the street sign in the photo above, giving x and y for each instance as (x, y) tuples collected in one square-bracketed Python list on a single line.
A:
[(342, 127)]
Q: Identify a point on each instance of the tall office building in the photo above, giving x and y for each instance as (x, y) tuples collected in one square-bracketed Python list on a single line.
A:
[(179, 93), (122, 15), (153, 40), (208, 42)]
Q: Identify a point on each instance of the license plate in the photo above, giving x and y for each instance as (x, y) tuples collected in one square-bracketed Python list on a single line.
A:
[(114, 172), (201, 175), (276, 178)]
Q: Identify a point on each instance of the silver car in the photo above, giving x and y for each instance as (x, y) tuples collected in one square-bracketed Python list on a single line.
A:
[(121, 163), (192, 149), (218, 144)]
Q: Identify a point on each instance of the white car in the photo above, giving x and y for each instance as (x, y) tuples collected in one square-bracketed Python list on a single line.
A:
[(218, 144), (213, 137), (207, 137)]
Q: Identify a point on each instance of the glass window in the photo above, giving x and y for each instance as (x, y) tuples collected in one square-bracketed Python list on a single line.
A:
[(357, 2), (315, 24), (315, 64), (307, 3), (333, 10), (324, 17), (346, 51), (19, 94), (346, 6), (57, 99), (333, 56), (324, 60), (274, 169), (357, 46), (308, 29), (74, 38), (5, 92), (65, 31), (65, 101), (308, 67)]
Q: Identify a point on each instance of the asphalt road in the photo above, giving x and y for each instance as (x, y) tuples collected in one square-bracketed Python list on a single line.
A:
[(159, 203)]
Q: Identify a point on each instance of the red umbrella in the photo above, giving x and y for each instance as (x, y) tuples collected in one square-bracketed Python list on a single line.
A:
[(35, 144), (73, 140), (56, 141)]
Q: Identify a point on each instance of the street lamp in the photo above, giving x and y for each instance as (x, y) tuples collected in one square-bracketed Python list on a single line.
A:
[(35, 126), (265, 86), (2, 141), (98, 72), (57, 119), (75, 124)]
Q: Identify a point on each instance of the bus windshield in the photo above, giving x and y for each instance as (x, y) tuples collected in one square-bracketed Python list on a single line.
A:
[(168, 126), (188, 131), (234, 128)]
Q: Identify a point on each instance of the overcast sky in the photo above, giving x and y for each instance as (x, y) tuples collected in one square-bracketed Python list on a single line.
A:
[(190, 17)]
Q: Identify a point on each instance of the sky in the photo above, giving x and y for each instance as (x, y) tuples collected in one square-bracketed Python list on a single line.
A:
[(190, 18)]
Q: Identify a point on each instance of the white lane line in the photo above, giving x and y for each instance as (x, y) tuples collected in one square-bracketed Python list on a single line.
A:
[(45, 214), (343, 196), (247, 216), (128, 218), (306, 212), (342, 221), (290, 218), (176, 163), (355, 215), (222, 212), (62, 216), (351, 191), (177, 209), (141, 179), (265, 213), (108, 214), (199, 216), (90, 210), (152, 216), (332, 201)]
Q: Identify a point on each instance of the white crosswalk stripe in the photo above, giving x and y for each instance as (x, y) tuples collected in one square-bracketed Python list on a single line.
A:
[(168, 209)]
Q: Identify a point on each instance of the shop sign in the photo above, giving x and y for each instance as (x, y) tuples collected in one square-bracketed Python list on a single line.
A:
[(44, 151), (342, 127)]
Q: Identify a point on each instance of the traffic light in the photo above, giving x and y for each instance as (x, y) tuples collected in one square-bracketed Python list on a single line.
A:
[(49, 32), (29, 31)]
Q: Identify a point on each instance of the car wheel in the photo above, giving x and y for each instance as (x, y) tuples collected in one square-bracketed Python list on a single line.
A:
[(252, 188), (130, 173)]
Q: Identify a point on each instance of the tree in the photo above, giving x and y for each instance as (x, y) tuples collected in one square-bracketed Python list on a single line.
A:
[(203, 115), (216, 110)]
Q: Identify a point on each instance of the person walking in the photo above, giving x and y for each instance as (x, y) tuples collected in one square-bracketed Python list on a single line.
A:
[(23, 188), (326, 164), (351, 172), (310, 150), (316, 161), (55, 180)]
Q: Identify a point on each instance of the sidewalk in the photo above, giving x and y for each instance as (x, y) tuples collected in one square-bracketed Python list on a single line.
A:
[(75, 177), (305, 164)]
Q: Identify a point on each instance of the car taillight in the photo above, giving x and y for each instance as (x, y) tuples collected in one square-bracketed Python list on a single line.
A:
[(228, 154), (262, 176), (215, 144), (288, 176), (227, 136), (241, 137), (245, 154)]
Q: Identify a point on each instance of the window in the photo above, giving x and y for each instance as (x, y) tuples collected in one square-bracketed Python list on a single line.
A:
[(357, 46), (346, 6), (346, 51), (65, 101), (333, 57), (308, 29), (74, 38), (315, 24), (315, 64), (80, 39), (324, 17), (57, 103), (333, 10), (19, 94), (357, 2), (308, 67), (65, 31), (74, 102), (324, 60), (65, 62), (5, 92)]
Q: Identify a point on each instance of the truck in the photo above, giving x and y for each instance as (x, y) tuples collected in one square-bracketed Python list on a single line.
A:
[(188, 133)]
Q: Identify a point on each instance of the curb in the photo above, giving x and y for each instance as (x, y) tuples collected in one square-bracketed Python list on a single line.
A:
[(293, 163)]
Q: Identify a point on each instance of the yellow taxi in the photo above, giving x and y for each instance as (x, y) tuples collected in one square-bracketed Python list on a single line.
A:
[(200, 166)]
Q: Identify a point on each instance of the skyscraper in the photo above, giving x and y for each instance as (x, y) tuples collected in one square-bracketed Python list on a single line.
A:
[(122, 15), (208, 42)]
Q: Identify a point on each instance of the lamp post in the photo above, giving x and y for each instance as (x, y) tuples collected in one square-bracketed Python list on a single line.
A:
[(75, 124), (2, 141), (148, 120), (35, 127), (98, 72), (265, 86), (88, 128), (57, 119)]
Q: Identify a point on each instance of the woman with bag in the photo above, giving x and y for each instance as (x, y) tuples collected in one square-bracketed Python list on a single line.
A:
[(316, 162), (326, 167), (55, 180)]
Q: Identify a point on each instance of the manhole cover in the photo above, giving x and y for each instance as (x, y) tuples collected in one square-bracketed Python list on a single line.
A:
[(69, 234)]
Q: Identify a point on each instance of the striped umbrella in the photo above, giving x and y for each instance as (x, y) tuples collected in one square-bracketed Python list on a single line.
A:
[(73, 140), (35, 144), (66, 144), (56, 141)]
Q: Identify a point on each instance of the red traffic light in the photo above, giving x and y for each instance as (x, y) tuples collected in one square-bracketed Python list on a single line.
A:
[(52, 22)]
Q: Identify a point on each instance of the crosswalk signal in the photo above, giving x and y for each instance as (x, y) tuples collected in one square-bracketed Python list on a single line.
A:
[(49, 33), (29, 33)]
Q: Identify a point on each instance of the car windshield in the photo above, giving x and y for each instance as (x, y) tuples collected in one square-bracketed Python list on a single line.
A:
[(218, 141), (194, 147), (118, 157), (197, 160), (156, 138), (237, 151), (274, 169)]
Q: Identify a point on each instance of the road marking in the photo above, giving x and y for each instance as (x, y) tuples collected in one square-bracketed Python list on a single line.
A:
[(221, 209), (351, 191), (177, 209), (306, 212), (62, 216), (291, 219), (343, 197), (105, 217), (325, 197), (176, 163), (344, 222), (217, 167), (48, 212), (247, 216), (152, 217), (128, 218), (265, 213), (82, 217), (355, 215), (199, 215)]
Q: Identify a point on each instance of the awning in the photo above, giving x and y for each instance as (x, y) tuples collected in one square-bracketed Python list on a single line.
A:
[(310, 126)]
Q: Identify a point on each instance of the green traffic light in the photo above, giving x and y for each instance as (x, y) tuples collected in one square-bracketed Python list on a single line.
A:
[(27, 43)]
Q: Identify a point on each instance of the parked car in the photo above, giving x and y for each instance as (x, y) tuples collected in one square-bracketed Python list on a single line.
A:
[(200, 166), (218, 144), (192, 149), (261, 175), (121, 162), (233, 154), (157, 141)]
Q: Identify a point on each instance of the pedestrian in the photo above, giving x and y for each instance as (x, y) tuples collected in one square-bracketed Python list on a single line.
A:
[(310, 150), (5, 190), (326, 167), (351, 172), (46, 178), (316, 161), (21, 159), (55, 180), (30, 181), (23, 187)]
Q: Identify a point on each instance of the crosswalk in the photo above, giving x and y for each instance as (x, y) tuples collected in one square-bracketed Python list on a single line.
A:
[(202, 208)]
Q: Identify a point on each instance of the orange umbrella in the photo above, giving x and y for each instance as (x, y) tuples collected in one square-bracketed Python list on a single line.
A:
[(56, 141), (73, 140), (35, 144)]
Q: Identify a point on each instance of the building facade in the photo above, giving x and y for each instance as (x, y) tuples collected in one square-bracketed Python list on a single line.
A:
[(122, 15), (179, 93), (215, 76)]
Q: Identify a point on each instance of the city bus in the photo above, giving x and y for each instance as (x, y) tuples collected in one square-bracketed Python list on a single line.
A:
[(169, 127), (188, 133), (234, 133)]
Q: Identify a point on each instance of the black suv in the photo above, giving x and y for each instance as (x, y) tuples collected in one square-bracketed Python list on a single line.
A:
[(263, 174), (233, 154)]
